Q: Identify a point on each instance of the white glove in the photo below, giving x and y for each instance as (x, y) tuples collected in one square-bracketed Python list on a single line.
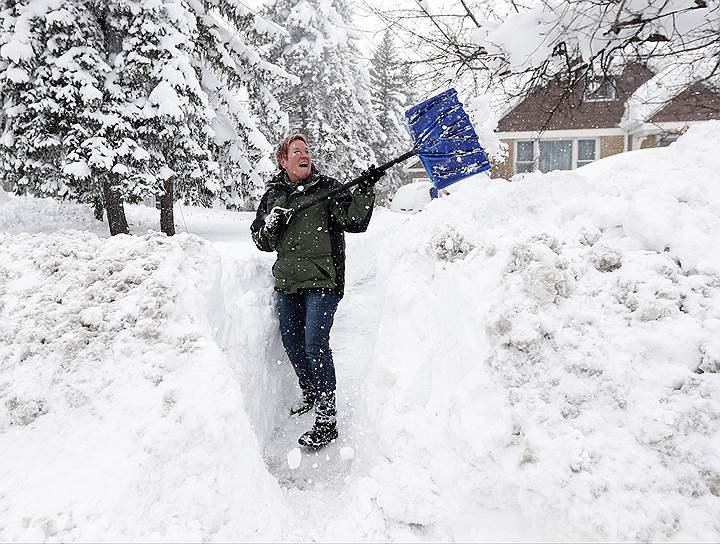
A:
[(274, 219)]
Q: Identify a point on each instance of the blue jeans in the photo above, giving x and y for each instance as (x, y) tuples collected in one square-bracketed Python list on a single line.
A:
[(305, 322)]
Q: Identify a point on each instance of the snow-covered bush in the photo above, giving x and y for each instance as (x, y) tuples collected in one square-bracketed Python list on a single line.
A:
[(24, 412), (605, 259), (544, 272), (710, 360)]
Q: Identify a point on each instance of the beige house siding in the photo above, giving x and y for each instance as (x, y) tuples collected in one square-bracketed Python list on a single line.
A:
[(608, 145), (648, 141), (611, 145), (418, 174), (504, 169)]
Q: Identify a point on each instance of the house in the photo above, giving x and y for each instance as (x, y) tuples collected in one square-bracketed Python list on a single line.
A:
[(555, 129), (637, 108)]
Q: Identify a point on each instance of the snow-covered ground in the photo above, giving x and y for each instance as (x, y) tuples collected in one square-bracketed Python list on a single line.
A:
[(520, 361)]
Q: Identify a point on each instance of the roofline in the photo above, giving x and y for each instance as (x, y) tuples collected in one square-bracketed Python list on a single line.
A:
[(564, 133), (407, 165), (644, 128)]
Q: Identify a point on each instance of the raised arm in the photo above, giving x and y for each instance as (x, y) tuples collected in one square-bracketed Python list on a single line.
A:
[(353, 210)]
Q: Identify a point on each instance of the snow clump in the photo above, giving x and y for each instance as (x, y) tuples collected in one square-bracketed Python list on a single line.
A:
[(450, 245)]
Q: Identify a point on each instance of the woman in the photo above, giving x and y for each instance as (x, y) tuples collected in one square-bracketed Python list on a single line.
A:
[(310, 271)]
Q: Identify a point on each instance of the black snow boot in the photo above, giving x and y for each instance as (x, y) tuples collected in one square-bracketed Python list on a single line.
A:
[(305, 404), (324, 430)]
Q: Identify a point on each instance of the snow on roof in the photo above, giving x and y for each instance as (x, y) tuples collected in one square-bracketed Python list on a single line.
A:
[(656, 93), (503, 108)]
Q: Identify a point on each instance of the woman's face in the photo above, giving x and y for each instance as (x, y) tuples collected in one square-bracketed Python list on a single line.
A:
[(298, 162)]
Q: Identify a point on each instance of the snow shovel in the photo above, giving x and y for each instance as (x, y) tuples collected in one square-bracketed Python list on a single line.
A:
[(445, 141)]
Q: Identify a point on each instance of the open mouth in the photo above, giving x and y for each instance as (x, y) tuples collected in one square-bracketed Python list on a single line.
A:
[(304, 164)]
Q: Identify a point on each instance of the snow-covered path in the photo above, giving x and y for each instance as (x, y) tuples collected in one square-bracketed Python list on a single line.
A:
[(322, 490), (352, 340)]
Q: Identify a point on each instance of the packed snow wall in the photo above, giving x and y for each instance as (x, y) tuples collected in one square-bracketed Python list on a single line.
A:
[(121, 414), (245, 327), (542, 348)]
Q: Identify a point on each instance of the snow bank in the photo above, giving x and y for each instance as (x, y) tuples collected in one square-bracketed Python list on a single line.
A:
[(537, 347), (121, 417), (246, 328)]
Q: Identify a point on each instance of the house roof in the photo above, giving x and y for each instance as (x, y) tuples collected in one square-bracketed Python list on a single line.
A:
[(554, 107), (642, 94), (655, 94)]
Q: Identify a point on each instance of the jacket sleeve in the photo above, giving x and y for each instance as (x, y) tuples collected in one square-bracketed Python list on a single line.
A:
[(352, 210), (260, 235)]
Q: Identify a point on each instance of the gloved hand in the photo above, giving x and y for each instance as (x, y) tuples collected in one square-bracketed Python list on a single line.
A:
[(274, 220), (372, 175)]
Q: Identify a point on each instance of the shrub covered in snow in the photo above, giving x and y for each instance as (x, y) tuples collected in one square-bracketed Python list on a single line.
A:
[(23, 412), (605, 259)]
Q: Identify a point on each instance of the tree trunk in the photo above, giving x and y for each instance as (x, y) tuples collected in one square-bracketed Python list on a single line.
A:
[(167, 220), (98, 207), (115, 210)]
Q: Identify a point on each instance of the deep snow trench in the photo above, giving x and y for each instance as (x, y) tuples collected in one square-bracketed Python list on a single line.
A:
[(271, 388), (352, 342)]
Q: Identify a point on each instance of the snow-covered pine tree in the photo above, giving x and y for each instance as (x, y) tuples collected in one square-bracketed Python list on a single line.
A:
[(165, 110), (134, 98), (408, 83), (241, 81), (390, 90), (332, 102), (53, 72), (186, 68)]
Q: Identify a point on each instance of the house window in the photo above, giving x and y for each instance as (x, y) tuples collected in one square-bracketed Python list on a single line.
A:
[(600, 88), (525, 161), (548, 155), (555, 155), (586, 152)]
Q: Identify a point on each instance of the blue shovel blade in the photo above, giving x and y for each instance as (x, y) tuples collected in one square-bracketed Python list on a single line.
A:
[(445, 139)]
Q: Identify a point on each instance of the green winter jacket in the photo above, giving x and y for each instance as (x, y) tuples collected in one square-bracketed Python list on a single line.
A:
[(311, 248)]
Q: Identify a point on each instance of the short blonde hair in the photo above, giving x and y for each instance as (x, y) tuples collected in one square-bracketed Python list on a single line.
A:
[(282, 150)]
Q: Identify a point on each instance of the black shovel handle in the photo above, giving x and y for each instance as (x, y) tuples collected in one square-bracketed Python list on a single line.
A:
[(345, 186)]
